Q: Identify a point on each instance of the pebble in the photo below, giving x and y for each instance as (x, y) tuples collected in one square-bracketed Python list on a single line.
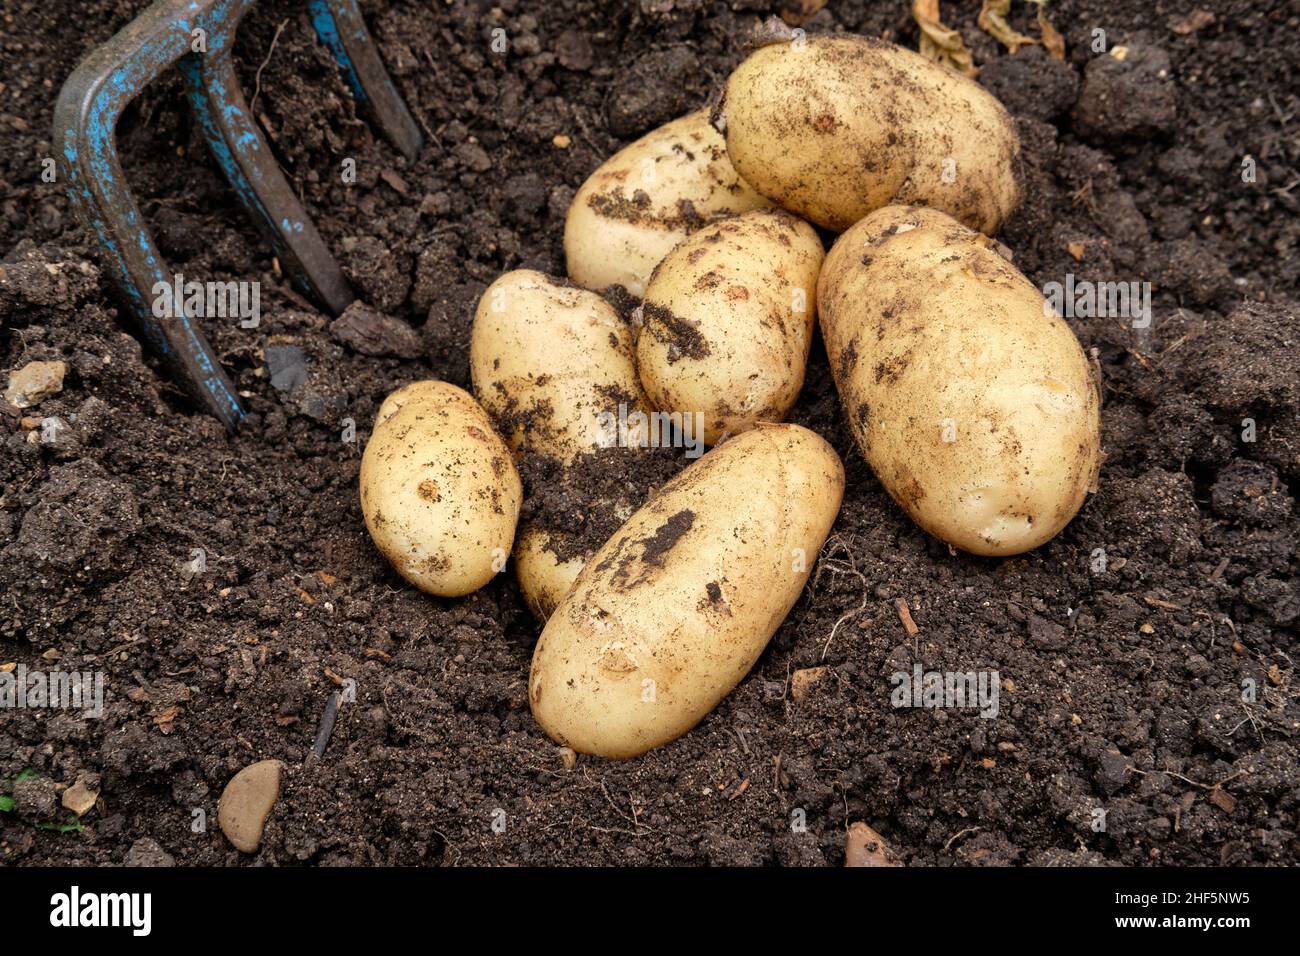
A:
[(802, 681), (287, 366), (35, 382), (82, 795), (246, 803)]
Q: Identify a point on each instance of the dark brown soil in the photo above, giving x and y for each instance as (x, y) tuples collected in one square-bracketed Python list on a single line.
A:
[(1123, 645)]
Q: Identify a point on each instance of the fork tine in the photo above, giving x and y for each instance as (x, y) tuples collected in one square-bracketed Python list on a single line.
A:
[(85, 123), (252, 170), (340, 26)]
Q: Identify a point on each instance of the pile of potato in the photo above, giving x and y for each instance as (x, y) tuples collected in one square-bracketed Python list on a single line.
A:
[(971, 400)]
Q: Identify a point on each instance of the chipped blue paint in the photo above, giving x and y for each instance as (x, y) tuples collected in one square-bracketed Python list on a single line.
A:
[(327, 28)]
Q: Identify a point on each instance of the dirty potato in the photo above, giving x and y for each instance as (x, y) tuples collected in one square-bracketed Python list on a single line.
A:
[(439, 491), (676, 607), (552, 363), (646, 198), (833, 127), (544, 577), (728, 319), (972, 401)]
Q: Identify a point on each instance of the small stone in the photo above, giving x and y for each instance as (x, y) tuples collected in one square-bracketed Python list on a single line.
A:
[(561, 141), (82, 795), (865, 847), (147, 852), (35, 382), (246, 803), (802, 681), (568, 757), (371, 332), (287, 366)]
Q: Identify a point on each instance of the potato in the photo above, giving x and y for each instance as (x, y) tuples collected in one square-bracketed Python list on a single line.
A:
[(439, 491), (676, 607), (728, 319), (544, 577), (551, 363), (833, 127), (646, 198), (972, 401)]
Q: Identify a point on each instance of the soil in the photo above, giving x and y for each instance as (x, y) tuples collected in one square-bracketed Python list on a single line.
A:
[(222, 583)]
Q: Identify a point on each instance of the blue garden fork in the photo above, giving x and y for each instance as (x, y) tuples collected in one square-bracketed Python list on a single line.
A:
[(197, 36)]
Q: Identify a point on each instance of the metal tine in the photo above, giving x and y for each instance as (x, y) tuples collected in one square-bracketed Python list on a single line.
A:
[(85, 123), (197, 36), (246, 159), (341, 28)]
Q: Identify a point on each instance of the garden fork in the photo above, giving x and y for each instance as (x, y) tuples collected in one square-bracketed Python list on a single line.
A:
[(197, 36)]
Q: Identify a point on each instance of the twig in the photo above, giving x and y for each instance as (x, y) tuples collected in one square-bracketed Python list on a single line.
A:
[(257, 84), (958, 835)]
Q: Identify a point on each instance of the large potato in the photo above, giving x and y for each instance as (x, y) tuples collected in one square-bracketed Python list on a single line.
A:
[(971, 400), (833, 127), (552, 363), (439, 491), (728, 319), (676, 607), (646, 198)]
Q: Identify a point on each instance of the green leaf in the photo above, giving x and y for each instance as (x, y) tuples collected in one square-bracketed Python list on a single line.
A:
[(72, 826), (28, 774), (6, 804)]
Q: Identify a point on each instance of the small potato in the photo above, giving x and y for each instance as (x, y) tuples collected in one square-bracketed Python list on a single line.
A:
[(676, 607), (971, 400), (728, 319), (544, 577), (551, 363), (646, 198), (439, 491), (833, 127)]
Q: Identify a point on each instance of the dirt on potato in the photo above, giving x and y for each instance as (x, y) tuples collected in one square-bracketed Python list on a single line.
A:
[(224, 585)]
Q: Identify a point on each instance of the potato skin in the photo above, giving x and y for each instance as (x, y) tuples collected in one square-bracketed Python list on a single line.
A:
[(975, 406), (728, 319), (547, 359), (543, 577), (439, 491), (674, 609), (646, 198), (833, 127)]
